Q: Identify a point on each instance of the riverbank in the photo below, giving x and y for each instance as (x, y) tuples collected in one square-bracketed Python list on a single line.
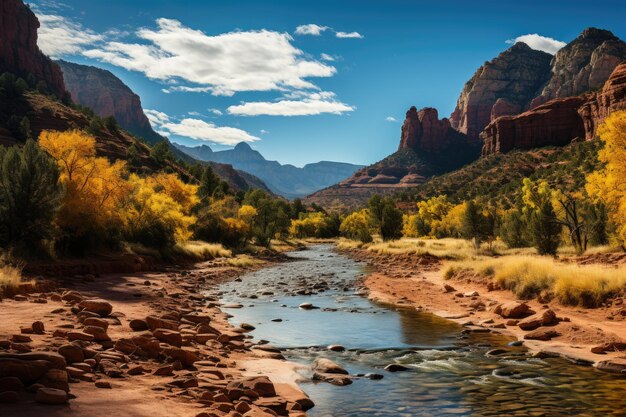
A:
[(154, 344), (418, 281)]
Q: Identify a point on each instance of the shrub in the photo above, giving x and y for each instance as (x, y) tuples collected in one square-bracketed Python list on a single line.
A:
[(544, 229)]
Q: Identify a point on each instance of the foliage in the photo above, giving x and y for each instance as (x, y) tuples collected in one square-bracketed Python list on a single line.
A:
[(94, 187), (29, 195), (391, 222), (317, 225), (209, 182), (102, 203), (161, 152), (272, 218), (608, 184), (356, 226), (513, 230), (156, 213), (478, 223)]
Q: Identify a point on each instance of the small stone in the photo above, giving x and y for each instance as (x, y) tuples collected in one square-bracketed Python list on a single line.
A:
[(395, 367), (9, 397), (336, 348), (51, 396)]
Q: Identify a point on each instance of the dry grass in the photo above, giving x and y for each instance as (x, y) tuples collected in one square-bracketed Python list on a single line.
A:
[(449, 248), (244, 261), (201, 251), (10, 277), (533, 276)]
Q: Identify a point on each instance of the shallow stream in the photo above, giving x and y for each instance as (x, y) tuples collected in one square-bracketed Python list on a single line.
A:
[(449, 373)]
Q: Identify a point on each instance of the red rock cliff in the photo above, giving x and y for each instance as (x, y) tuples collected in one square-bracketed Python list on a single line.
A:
[(19, 52), (558, 121), (554, 123), (107, 95), (513, 78), (611, 98), (422, 130)]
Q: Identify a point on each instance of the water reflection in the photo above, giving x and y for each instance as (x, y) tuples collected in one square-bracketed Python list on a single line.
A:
[(450, 375)]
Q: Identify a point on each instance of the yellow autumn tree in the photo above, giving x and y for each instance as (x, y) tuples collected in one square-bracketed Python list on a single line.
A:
[(608, 185), (95, 187), (357, 226), (184, 194), (155, 218)]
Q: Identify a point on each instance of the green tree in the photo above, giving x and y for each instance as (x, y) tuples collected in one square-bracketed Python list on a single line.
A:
[(296, 208), (391, 222), (132, 156), (375, 206), (513, 230), (160, 152), (472, 224), (545, 229), (208, 182), (30, 194)]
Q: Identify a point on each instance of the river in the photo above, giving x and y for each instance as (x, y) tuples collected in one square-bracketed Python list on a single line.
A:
[(449, 372)]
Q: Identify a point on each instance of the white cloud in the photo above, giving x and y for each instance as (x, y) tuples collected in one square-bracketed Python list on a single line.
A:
[(353, 35), (156, 117), (222, 64), (540, 43), (264, 132), (311, 29), (216, 112), (59, 36), (197, 129), (295, 104), (391, 119), (327, 57)]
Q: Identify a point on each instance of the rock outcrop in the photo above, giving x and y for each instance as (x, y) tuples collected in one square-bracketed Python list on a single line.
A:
[(559, 121), (583, 65), (107, 95), (611, 98), (428, 146), (556, 122), (514, 76), (422, 130), (19, 53)]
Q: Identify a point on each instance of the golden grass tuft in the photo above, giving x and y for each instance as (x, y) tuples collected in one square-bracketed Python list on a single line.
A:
[(449, 248), (532, 276), (244, 261), (201, 251), (10, 278)]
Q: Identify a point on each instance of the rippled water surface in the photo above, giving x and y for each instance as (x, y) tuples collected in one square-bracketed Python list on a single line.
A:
[(449, 374)]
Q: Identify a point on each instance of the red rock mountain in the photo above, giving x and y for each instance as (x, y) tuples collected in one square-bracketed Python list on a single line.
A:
[(559, 121), (504, 85), (107, 95), (19, 53), (582, 65)]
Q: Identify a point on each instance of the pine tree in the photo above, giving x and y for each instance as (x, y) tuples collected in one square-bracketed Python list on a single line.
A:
[(29, 195), (391, 222)]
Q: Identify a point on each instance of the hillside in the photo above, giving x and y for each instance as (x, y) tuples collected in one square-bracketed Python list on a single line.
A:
[(286, 180)]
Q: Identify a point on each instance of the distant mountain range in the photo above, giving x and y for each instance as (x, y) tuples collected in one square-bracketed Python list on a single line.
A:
[(286, 180)]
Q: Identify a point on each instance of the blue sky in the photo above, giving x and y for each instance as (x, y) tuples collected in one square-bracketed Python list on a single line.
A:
[(224, 71)]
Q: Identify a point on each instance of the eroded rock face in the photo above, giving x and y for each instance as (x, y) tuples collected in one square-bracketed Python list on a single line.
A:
[(611, 98), (19, 52), (514, 76), (424, 131), (558, 121), (107, 95), (582, 65), (554, 123)]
